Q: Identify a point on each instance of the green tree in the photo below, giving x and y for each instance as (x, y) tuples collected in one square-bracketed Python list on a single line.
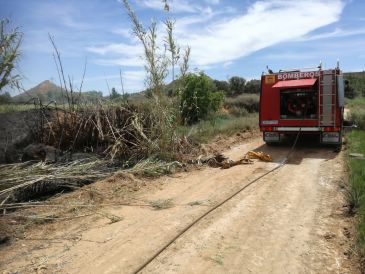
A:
[(253, 86), (114, 94), (355, 84), (198, 98), (222, 86), (237, 85), (9, 53)]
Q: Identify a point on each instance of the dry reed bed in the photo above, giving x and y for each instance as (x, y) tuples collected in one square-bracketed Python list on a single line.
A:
[(26, 181)]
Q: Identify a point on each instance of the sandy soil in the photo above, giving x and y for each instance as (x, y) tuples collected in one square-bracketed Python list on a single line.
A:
[(291, 221)]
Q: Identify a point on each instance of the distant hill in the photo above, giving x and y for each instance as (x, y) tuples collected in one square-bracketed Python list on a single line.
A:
[(45, 91), (48, 91)]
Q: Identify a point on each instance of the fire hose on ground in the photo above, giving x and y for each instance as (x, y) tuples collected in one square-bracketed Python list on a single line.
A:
[(163, 248)]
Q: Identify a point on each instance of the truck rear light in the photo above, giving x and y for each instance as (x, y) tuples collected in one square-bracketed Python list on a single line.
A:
[(331, 129), (266, 128)]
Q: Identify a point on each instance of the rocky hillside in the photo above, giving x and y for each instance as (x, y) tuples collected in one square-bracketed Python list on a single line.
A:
[(45, 91), (48, 91)]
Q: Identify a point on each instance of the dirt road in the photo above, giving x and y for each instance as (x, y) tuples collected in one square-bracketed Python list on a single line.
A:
[(291, 221)]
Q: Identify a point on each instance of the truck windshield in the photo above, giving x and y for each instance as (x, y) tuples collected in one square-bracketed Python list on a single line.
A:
[(298, 103)]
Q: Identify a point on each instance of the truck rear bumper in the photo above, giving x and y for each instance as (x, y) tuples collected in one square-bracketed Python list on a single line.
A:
[(326, 137)]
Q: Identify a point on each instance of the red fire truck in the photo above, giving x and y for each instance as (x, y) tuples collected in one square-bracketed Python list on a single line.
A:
[(309, 101)]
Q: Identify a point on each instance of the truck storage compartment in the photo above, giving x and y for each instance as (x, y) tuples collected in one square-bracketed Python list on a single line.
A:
[(299, 103)]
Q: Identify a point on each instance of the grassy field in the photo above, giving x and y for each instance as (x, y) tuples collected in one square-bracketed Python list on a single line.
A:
[(356, 196), (356, 167), (15, 107)]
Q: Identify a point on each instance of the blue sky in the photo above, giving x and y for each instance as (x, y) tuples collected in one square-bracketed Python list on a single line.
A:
[(227, 37)]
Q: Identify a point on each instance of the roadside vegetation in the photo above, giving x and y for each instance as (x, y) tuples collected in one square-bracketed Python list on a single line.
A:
[(355, 158), (220, 124), (157, 128), (10, 40), (355, 84), (356, 195)]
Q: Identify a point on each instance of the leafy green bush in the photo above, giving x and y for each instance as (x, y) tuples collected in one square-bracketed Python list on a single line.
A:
[(354, 84), (250, 102), (198, 98)]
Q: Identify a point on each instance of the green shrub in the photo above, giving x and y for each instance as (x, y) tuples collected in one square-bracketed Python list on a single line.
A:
[(198, 98), (251, 102), (354, 84)]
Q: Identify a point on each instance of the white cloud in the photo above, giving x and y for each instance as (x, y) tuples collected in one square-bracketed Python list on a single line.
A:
[(134, 61), (129, 55), (266, 23), (290, 56), (119, 48), (333, 34), (218, 37)]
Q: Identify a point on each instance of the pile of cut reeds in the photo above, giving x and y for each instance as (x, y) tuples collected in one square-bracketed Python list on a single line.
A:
[(26, 181)]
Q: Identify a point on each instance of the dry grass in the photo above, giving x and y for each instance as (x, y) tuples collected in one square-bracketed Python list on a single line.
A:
[(250, 102)]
